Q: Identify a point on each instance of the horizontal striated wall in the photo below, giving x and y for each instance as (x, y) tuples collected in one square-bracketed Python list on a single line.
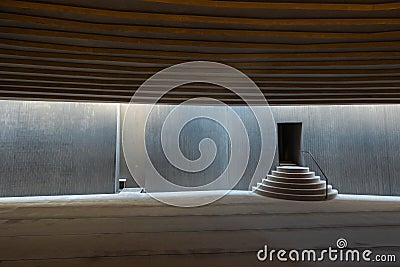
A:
[(55, 148), (358, 147), (190, 136), (50, 148)]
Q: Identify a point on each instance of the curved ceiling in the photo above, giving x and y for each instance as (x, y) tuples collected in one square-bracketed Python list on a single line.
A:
[(302, 52)]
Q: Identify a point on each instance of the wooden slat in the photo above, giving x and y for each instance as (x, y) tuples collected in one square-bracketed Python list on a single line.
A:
[(301, 82), (21, 32), (202, 87), (187, 55), (6, 57), (285, 6), (151, 96), (93, 98), (342, 58), (105, 71), (184, 92), (244, 66), (200, 33), (205, 18)]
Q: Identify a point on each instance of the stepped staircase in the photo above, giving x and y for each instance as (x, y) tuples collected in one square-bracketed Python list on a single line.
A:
[(293, 182)]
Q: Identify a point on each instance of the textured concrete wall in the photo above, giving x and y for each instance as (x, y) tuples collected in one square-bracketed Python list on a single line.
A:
[(357, 146), (53, 148), (50, 148), (191, 135), (138, 161), (189, 139)]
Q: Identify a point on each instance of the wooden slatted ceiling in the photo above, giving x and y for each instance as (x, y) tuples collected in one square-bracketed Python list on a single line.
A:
[(297, 52)]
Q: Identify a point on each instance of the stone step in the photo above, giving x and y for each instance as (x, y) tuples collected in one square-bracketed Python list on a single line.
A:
[(293, 169), (319, 184), (294, 191), (287, 163), (293, 175), (314, 179), (332, 194)]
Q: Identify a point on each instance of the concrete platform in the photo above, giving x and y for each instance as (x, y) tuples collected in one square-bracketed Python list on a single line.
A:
[(132, 229)]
